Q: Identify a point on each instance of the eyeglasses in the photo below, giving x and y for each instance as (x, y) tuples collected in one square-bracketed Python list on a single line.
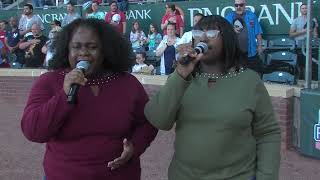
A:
[(210, 34), (239, 5)]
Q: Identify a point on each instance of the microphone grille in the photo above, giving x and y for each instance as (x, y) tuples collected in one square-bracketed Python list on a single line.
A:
[(83, 65), (203, 46)]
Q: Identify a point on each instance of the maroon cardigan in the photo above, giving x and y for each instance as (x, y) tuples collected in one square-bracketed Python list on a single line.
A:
[(81, 139)]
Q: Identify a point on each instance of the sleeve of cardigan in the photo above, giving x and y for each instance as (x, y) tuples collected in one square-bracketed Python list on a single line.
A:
[(45, 111), (161, 110), (144, 133), (267, 133)]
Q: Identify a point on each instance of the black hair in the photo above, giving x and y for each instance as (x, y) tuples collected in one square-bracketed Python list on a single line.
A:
[(115, 48), (143, 53), (173, 24), (303, 4), (155, 27), (232, 55), (171, 6), (29, 6), (113, 2), (56, 22)]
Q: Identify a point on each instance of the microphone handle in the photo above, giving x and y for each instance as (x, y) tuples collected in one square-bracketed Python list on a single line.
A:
[(186, 60), (72, 94), (73, 91)]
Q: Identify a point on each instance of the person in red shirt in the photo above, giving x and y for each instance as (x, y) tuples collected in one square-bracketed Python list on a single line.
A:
[(3, 34), (102, 135), (172, 17), (116, 18)]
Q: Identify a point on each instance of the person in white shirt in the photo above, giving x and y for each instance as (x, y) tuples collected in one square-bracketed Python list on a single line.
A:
[(298, 29), (187, 36), (167, 50), (140, 66), (137, 36), (27, 20), (71, 15)]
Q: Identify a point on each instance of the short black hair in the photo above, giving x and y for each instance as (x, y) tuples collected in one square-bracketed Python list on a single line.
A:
[(113, 2), (116, 49), (172, 24), (232, 55), (303, 4), (143, 53), (29, 6)]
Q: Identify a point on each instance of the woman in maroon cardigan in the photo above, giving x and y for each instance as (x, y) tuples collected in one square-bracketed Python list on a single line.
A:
[(102, 136)]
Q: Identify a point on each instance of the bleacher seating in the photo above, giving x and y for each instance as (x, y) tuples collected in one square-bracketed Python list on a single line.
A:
[(281, 67), (282, 44), (279, 77)]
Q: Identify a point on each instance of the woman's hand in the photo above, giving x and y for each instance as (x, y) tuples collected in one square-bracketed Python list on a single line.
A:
[(184, 50), (76, 76), (125, 156)]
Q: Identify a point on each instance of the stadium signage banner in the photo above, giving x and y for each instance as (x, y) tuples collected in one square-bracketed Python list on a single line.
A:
[(275, 16)]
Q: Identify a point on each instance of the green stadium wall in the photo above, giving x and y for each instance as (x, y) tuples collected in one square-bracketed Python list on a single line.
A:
[(275, 16)]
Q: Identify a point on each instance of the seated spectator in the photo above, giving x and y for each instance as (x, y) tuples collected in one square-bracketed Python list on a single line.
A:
[(32, 44), (167, 50), (140, 66), (86, 8), (55, 24), (12, 40), (95, 11), (154, 38), (137, 36), (3, 34), (47, 48), (3, 63)]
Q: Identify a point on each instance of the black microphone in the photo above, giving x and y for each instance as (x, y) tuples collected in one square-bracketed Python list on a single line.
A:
[(72, 94), (200, 48)]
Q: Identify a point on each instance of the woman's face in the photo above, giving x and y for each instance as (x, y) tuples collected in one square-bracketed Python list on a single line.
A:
[(136, 26), (214, 41), (94, 7), (152, 29), (85, 46)]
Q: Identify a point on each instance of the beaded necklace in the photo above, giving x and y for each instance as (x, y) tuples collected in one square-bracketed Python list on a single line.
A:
[(230, 74), (99, 79)]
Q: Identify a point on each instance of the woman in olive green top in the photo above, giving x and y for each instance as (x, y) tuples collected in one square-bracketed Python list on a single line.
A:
[(225, 125)]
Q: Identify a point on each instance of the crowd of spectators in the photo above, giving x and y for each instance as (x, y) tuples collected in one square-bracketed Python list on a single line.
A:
[(23, 45), (123, 4)]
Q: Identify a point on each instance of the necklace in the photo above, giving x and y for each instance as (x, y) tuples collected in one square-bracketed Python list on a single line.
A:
[(230, 74), (98, 79)]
